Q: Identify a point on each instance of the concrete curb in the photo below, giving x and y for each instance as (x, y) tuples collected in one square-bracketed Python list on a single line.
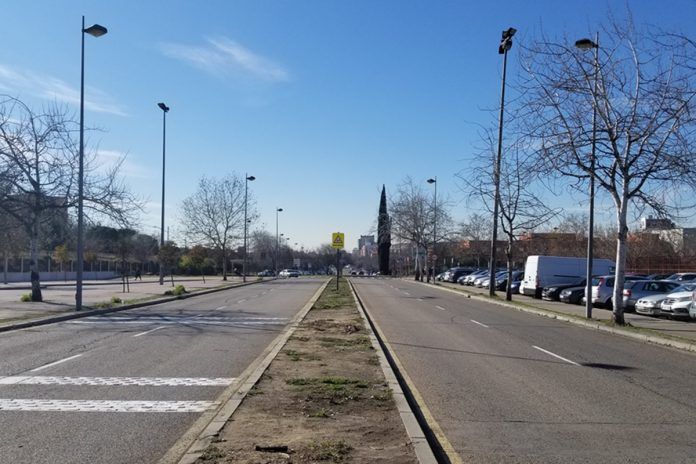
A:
[(416, 435), (199, 437), (97, 312), (648, 338)]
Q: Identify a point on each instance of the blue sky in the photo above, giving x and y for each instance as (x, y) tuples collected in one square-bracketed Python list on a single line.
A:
[(322, 101)]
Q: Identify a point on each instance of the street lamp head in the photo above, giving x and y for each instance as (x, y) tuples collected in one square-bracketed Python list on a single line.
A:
[(95, 30), (251, 178), (506, 41), (163, 107), (585, 44), (279, 209), (431, 181)]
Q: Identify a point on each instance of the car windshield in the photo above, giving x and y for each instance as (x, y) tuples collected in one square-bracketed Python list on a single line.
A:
[(684, 288)]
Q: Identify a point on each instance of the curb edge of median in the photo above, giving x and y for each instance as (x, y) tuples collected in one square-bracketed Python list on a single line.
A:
[(648, 338), (98, 312), (209, 426), (422, 429)]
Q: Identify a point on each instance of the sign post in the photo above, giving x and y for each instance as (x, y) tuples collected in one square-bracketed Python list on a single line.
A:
[(337, 242)]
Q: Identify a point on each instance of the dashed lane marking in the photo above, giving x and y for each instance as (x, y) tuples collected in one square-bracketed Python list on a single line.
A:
[(148, 331), (479, 323), (556, 356), (55, 363), (104, 405), (441, 308), (242, 300), (116, 381), (220, 307)]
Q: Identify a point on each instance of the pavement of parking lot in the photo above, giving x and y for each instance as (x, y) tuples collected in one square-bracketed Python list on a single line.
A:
[(59, 297), (679, 334)]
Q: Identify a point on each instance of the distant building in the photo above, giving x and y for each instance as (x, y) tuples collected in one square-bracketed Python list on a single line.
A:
[(682, 239), (365, 240), (650, 223)]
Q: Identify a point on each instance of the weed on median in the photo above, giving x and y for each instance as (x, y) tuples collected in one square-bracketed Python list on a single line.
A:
[(333, 299)]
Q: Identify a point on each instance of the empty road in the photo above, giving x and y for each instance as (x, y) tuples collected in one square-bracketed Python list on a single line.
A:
[(510, 387), (123, 387)]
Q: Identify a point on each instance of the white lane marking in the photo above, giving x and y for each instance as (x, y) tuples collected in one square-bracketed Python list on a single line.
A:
[(220, 307), (441, 308), (104, 405), (60, 361), (242, 300), (406, 293), (148, 331), (556, 356), (128, 381), (479, 323), (279, 321), (421, 299)]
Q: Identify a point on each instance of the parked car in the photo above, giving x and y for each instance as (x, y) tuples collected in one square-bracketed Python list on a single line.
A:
[(477, 281), (650, 305), (469, 279), (553, 292), (486, 281), (544, 271), (603, 289), (692, 308), (636, 289), (266, 273), (677, 305), (683, 276), (456, 272), (501, 278), (572, 295), (515, 287)]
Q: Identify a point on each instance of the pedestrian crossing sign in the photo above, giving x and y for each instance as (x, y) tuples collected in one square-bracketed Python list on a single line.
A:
[(337, 240)]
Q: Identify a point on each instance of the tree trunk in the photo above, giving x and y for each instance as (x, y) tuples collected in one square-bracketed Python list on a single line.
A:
[(34, 265), (224, 264), (4, 270), (617, 297), (508, 286)]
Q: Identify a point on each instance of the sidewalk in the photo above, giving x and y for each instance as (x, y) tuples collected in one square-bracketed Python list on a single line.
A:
[(676, 330), (59, 297)]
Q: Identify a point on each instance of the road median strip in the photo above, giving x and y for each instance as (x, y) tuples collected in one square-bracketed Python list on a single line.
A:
[(321, 394)]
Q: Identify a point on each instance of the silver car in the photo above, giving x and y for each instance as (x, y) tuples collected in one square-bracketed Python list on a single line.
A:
[(650, 305), (636, 289)]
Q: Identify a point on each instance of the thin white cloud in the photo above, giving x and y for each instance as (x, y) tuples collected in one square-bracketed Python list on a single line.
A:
[(105, 159), (223, 56), (16, 80)]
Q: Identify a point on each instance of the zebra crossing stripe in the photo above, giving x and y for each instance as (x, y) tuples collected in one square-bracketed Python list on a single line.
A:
[(104, 405), (119, 381)]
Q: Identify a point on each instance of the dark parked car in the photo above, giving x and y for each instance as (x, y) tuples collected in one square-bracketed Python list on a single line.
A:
[(553, 292), (572, 295), (456, 272)]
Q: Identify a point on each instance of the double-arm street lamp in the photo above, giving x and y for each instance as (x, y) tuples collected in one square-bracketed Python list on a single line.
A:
[(433, 181), (587, 44), (275, 265), (95, 31), (505, 46), (247, 179), (165, 110)]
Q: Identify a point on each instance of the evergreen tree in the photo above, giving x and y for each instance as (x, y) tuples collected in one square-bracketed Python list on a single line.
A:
[(383, 235)]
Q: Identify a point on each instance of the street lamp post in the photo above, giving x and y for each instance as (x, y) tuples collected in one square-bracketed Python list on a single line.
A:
[(95, 31), (587, 44), (165, 110), (275, 264), (434, 182), (505, 46), (247, 179)]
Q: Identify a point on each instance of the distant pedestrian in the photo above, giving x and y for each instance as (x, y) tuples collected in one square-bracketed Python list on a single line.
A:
[(138, 275)]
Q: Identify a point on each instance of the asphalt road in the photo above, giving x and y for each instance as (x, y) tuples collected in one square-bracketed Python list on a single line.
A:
[(122, 388), (510, 387)]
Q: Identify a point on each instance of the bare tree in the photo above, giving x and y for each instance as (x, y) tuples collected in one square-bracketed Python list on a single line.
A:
[(413, 215), (521, 207), (214, 214), (39, 157), (646, 119), (476, 230)]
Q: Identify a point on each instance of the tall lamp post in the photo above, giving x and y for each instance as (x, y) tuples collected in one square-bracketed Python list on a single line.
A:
[(247, 179), (433, 181), (95, 31), (165, 110), (505, 46), (587, 44), (275, 265)]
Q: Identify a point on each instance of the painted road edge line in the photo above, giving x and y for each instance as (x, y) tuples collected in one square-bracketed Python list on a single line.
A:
[(655, 339), (555, 355), (55, 363), (193, 443), (418, 434)]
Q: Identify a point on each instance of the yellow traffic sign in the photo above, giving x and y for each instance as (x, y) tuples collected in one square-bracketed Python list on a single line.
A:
[(338, 240)]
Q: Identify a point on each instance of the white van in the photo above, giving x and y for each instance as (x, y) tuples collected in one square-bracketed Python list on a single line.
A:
[(542, 271)]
